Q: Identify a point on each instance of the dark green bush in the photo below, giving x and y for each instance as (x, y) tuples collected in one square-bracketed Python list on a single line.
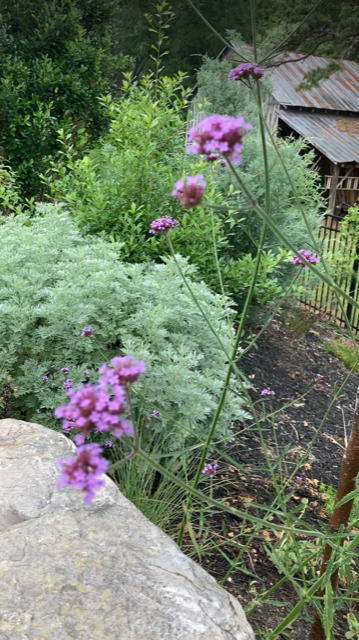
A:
[(56, 59)]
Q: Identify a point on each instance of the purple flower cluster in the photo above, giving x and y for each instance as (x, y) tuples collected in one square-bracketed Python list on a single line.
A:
[(124, 370), (85, 472), (308, 255), (210, 469), (87, 332), (91, 407), (155, 414), (45, 378), (68, 384), (319, 377), (267, 392), (97, 408), (65, 370), (190, 190), (246, 71), (219, 134), (163, 225)]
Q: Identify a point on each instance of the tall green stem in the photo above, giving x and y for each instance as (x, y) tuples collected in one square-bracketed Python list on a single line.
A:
[(226, 383)]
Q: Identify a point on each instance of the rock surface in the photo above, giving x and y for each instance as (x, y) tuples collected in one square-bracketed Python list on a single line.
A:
[(93, 572)]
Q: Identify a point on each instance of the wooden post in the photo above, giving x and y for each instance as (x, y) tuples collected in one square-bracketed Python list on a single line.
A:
[(340, 516), (333, 189)]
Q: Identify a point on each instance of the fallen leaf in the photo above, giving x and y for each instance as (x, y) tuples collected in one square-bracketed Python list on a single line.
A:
[(267, 535)]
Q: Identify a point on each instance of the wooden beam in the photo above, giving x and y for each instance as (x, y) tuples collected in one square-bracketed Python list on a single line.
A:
[(345, 177), (333, 188)]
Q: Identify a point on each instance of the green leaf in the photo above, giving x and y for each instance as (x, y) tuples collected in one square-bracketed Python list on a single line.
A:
[(328, 613), (350, 496)]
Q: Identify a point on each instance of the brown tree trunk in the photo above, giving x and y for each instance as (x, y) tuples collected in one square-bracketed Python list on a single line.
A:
[(341, 515)]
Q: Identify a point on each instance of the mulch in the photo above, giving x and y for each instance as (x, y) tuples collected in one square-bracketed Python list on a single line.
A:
[(286, 361)]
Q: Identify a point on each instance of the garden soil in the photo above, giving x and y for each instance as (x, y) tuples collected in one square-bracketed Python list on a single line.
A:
[(287, 361)]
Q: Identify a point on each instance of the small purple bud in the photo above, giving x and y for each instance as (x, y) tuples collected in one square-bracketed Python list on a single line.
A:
[(210, 469), (87, 331), (267, 392)]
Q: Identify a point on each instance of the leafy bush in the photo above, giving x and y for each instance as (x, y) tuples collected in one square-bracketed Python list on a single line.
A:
[(126, 182), (56, 59), (343, 349), (226, 97), (54, 282)]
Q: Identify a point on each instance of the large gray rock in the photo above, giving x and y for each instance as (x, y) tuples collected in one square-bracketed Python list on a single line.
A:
[(97, 572)]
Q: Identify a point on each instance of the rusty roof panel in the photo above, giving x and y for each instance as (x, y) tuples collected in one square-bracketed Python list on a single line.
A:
[(339, 93), (334, 135)]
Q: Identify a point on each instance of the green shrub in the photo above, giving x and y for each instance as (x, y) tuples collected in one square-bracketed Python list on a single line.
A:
[(126, 182), (54, 282), (56, 59), (343, 349), (224, 96)]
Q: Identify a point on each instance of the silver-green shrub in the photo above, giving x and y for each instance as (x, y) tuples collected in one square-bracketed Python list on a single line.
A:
[(54, 282)]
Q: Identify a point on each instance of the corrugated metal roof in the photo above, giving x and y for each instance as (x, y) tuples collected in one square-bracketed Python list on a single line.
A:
[(339, 92), (328, 133)]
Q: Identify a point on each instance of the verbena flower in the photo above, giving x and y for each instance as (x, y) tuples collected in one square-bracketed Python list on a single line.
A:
[(267, 392), (87, 373), (45, 378), (245, 71), (350, 343), (87, 331), (210, 469), (155, 414), (85, 472), (38, 410), (190, 190), (309, 256), (68, 384), (163, 225), (222, 163), (299, 478), (219, 134), (91, 408), (65, 369), (212, 157), (109, 443), (319, 377), (124, 370)]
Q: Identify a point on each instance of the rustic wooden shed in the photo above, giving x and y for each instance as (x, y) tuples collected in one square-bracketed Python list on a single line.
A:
[(327, 116)]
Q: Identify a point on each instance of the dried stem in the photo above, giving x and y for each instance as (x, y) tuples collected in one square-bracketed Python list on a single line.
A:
[(341, 515)]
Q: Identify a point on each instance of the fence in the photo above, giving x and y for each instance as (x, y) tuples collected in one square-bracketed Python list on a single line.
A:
[(343, 259)]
